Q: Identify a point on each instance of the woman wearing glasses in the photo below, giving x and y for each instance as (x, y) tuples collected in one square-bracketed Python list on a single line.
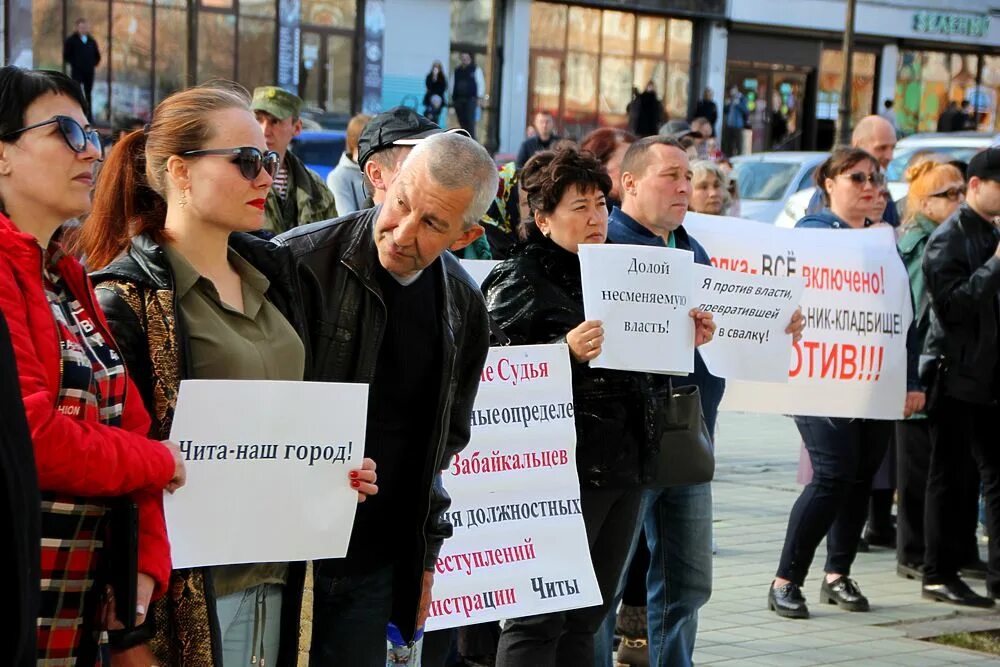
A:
[(86, 418), (190, 294), (844, 453)]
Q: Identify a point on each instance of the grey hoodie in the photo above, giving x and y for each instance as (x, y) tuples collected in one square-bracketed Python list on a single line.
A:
[(347, 184)]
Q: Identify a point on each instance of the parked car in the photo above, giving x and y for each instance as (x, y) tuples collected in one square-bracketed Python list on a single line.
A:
[(956, 145), (767, 180), (320, 149)]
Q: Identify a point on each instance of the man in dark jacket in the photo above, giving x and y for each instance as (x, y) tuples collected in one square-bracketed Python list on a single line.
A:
[(81, 53), (388, 307), (962, 271), (19, 516), (656, 186), (707, 109), (468, 92), (543, 140)]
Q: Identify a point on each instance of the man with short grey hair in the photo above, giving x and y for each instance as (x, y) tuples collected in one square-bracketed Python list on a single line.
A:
[(388, 307)]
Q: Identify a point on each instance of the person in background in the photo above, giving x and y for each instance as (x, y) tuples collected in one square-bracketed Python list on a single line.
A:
[(709, 189), (937, 189), (504, 216), (384, 144), (469, 91), (535, 296), (346, 181), (609, 146), (82, 55), (845, 453), (736, 118), (707, 109), (962, 272), (950, 119), (967, 119), (298, 195), (85, 415), (435, 90), (889, 114), (192, 294), (544, 138), (386, 306), (645, 112)]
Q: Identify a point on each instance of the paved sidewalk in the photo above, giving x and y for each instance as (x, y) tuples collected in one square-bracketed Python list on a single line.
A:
[(754, 490)]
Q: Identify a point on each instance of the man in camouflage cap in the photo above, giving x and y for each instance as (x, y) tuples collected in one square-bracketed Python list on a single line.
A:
[(298, 196)]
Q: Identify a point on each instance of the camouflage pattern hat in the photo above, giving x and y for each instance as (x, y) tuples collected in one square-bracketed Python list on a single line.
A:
[(276, 101)]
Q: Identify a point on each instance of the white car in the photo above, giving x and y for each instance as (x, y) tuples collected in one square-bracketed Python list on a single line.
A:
[(767, 180), (957, 145)]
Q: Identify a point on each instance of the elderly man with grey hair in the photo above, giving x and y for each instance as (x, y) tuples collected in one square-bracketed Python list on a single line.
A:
[(387, 306)]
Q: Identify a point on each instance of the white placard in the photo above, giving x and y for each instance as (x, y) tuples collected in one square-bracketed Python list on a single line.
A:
[(520, 546), (267, 470), (751, 313), (643, 296), (479, 268), (851, 361)]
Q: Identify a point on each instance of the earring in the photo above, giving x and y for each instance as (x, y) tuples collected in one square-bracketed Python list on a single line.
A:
[(183, 200)]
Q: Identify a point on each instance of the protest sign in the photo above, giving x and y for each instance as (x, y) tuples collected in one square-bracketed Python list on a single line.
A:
[(520, 546), (751, 313), (642, 295), (851, 361), (479, 268), (267, 470)]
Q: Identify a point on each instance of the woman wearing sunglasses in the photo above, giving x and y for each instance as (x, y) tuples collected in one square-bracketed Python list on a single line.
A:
[(86, 418), (191, 294), (844, 453)]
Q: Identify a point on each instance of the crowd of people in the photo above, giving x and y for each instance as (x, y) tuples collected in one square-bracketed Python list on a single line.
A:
[(209, 251)]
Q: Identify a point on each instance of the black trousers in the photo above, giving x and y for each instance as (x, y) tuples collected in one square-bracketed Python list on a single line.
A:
[(913, 460), (565, 639), (844, 453), (87, 83), (964, 437), (465, 109)]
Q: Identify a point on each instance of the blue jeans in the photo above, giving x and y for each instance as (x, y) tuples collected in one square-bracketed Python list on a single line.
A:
[(350, 615), (678, 523)]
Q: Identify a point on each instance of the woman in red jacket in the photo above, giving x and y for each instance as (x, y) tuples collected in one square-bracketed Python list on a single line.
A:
[(86, 418)]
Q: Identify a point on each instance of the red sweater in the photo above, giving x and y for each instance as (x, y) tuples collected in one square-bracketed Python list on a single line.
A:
[(75, 457)]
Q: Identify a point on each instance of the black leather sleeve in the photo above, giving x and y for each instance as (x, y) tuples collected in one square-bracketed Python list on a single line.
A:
[(470, 357), (528, 306), (958, 290), (130, 338)]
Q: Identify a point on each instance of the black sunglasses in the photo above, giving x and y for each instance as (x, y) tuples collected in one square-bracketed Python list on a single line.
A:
[(859, 178), (951, 193), (72, 133), (249, 159)]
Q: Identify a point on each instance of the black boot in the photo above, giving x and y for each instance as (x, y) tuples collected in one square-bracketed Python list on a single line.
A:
[(787, 601)]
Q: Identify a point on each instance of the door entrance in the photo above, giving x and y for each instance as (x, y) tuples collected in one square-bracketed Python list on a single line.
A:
[(327, 69)]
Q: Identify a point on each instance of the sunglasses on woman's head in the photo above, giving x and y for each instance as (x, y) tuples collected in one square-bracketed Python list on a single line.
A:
[(75, 136), (859, 178), (249, 159), (951, 193)]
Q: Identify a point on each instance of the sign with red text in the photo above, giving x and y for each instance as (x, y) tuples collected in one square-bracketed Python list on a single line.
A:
[(267, 470), (851, 361), (519, 546), (642, 294), (751, 313)]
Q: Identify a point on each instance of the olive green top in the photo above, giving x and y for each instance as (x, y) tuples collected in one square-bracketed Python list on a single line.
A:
[(225, 344)]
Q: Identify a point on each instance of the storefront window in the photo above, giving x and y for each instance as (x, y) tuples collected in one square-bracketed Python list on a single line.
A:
[(988, 94), (171, 49), (131, 61), (926, 81), (216, 46), (47, 33), (471, 32), (831, 78), (600, 59), (256, 66)]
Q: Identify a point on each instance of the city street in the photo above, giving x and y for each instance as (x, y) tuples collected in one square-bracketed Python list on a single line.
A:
[(754, 488)]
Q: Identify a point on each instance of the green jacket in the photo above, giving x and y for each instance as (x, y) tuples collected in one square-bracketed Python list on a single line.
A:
[(911, 248), (308, 200)]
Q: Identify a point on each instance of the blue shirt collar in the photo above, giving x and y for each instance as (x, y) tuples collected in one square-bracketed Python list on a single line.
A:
[(623, 228)]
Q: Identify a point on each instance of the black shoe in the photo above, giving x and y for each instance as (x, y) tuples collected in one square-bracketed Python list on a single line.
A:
[(974, 570), (844, 593), (910, 570), (955, 592), (787, 601)]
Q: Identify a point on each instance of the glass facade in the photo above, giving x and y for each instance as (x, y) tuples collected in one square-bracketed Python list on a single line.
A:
[(586, 63), (472, 31), (926, 81), (146, 52), (831, 81)]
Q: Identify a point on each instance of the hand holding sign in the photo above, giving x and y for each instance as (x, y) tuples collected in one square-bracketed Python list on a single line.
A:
[(585, 341)]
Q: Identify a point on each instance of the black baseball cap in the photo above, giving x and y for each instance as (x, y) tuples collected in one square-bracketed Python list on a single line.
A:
[(399, 126), (985, 164)]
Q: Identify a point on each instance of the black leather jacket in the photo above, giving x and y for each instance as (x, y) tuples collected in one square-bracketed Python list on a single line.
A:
[(963, 280), (536, 297), (336, 262)]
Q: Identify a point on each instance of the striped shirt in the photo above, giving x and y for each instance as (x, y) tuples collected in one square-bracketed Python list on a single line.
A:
[(92, 388), (280, 184)]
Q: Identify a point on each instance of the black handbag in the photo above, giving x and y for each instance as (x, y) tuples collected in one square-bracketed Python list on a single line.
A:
[(932, 371), (686, 454)]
